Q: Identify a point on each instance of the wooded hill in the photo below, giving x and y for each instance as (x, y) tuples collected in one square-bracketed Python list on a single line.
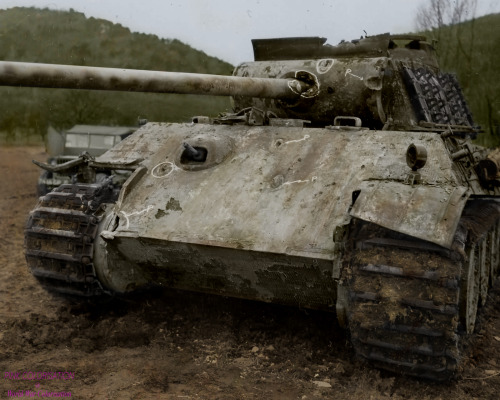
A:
[(68, 37), (470, 49)]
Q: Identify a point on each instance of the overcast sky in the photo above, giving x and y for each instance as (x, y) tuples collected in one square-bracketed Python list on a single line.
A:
[(223, 28)]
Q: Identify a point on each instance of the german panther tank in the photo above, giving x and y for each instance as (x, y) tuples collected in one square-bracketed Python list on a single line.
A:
[(345, 180)]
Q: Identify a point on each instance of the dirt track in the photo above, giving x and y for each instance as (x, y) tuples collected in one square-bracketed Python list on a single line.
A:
[(180, 346)]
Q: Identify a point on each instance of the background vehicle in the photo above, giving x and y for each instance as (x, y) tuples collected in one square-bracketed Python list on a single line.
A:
[(68, 145)]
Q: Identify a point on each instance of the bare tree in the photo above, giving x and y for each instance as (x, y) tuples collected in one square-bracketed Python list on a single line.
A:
[(431, 16), (442, 20), (439, 13)]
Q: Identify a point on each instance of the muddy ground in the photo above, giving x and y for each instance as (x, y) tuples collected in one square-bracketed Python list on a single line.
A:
[(173, 345)]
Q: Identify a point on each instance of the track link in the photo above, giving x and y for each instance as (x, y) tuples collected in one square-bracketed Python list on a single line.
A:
[(409, 308), (437, 97), (59, 238)]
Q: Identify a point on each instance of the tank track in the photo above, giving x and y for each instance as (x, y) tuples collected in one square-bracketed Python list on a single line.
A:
[(410, 306), (59, 238)]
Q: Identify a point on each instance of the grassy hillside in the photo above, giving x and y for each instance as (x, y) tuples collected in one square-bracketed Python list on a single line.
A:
[(472, 51), (68, 37)]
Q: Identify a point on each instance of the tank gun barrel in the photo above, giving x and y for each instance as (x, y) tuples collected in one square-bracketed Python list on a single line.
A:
[(130, 80)]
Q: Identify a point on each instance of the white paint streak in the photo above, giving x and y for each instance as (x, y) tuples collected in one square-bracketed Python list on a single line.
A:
[(127, 221), (298, 140), (349, 72), (313, 179)]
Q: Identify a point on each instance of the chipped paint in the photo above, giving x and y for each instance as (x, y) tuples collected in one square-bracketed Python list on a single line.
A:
[(173, 204)]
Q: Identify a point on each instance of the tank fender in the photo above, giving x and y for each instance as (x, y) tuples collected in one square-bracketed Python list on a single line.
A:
[(426, 212)]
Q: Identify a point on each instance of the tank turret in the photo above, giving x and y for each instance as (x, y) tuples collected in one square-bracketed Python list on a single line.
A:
[(344, 180), (385, 80)]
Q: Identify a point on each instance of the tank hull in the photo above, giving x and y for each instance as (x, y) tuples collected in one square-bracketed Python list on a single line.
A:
[(260, 217), (129, 263)]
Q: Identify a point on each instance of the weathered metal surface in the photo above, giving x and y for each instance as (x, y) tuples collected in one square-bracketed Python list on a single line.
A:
[(397, 206), (127, 262), (94, 78), (272, 190), (347, 87)]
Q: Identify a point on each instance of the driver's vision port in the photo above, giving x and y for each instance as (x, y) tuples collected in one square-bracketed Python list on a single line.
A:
[(192, 154)]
